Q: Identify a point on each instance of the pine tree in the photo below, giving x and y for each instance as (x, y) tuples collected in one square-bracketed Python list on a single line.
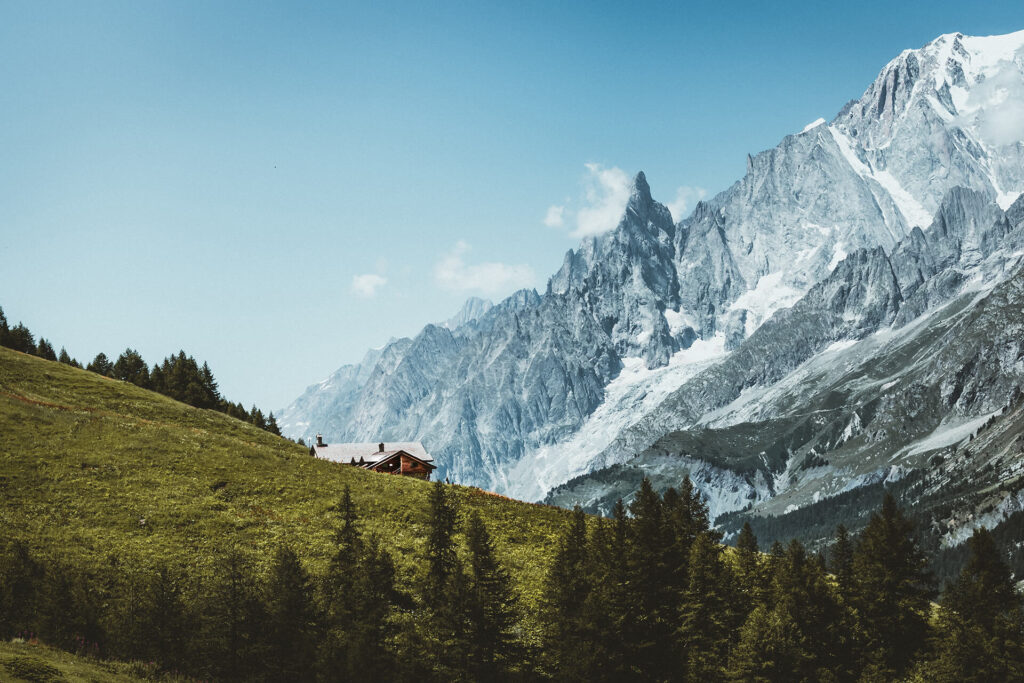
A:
[(101, 365), (492, 607), (610, 611), (21, 339), (654, 568), (769, 648), (842, 561), (980, 634), (4, 328), (891, 593), (256, 418), (130, 367), (20, 577), (272, 425), (358, 594), (565, 592), (445, 590), (709, 617), (167, 622), (45, 350), (291, 619), (750, 575), (66, 359), (231, 618)]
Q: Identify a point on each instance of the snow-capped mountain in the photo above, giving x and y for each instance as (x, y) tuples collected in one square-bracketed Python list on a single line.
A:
[(877, 220)]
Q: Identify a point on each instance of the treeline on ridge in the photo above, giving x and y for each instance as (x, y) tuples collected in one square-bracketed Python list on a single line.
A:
[(178, 376), (648, 595)]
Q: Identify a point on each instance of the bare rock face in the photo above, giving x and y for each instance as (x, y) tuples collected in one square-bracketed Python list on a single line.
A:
[(870, 222)]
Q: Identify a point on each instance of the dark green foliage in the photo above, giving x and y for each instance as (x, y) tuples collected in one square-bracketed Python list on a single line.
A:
[(231, 617), (45, 350), (890, 594), (130, 367), (67, 360), (566, 591), (272, 425), (709, 615), (980, 628), (20, 339), (491, 608), (291, 619), (101, 365), (357, 594)]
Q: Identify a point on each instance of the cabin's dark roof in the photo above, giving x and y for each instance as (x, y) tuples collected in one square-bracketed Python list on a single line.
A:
[(370, 452)]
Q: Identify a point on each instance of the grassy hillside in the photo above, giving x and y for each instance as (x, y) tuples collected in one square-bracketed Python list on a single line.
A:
[(40, 664), (101, 468)]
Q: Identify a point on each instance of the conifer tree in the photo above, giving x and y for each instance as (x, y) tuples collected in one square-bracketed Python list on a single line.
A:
[(20, 577), (4, 328), (891, 593), (101, 365), (21, 339), (750, 575), (445, 590), (291, 619), (980, 635), (709, 618), (492, 607), (769, 648), (166, 619), (130, 367), (272, 425), (611, 610), (67, 359), (45, 350), (231, 619), (566, 589), (842, 561), (654, 569)]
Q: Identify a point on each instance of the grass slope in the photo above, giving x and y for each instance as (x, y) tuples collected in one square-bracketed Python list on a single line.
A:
[(40, 664), (104, 470)]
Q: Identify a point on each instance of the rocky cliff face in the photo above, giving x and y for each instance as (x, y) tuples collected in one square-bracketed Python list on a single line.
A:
[(646, 329)]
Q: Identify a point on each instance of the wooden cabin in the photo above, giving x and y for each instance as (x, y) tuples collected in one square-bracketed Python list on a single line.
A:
[(407, 458)]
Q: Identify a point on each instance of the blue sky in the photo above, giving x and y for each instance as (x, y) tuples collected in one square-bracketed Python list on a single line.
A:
[(276, 187)]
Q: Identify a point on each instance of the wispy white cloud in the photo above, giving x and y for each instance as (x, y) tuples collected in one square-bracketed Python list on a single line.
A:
[(367, 285), (494, 279), (606, 192), (686, 197), (555, 217)]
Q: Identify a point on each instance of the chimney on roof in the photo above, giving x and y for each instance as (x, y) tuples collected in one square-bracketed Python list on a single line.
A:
[(319, 439), (380, 448)]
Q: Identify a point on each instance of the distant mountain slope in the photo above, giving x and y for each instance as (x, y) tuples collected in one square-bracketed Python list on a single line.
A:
[(877, 392), (536, 389)]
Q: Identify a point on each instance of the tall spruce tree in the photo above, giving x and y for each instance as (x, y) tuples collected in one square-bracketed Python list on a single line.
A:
[(749, 570), (492, 608), (891, 593), (710, 619), (101, 365), (291, 619), (21, 339), (566, 589), (231, 619), (654, 567), (130, 367), (980, 636), (45, 350), (446, 587), (611, 609)]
